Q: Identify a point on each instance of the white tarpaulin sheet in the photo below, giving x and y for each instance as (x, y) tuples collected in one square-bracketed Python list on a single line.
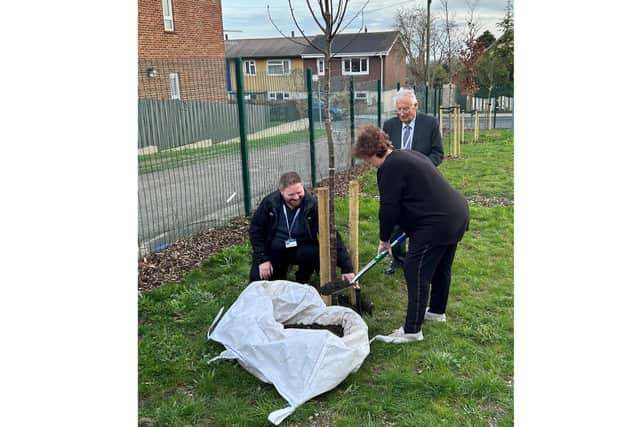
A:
[(300, 363)]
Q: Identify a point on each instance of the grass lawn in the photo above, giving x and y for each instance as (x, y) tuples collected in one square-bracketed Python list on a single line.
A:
[(461, 374)]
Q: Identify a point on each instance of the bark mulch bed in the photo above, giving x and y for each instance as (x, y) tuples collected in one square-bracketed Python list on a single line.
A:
[(173, 263), (342, 179), (334, 329), (490, 201), (181, 257)]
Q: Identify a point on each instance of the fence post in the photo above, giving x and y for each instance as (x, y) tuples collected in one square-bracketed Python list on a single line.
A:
[(312, 135), (495, 111), (426, 100), (244, 152), (380, 102), (352, 114)]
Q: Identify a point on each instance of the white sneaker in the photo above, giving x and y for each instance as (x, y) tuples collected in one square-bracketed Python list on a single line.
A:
[(435, 317), (400, 336)]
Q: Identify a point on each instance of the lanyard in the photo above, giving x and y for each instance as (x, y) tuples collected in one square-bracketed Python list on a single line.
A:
[(286, 218)]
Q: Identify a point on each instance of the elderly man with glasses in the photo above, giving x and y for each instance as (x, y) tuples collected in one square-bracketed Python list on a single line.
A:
[(415, 131)]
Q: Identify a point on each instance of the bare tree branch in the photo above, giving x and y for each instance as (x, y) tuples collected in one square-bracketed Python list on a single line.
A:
[(293, 40), (313, 15), (359, 12)]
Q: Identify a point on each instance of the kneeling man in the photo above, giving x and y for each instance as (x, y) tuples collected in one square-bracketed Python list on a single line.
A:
[(284, 231)]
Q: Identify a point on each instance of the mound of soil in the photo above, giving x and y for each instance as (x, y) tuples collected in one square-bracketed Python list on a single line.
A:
[(334, 329)]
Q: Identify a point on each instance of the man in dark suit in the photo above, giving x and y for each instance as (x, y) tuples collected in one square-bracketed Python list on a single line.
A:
[(416, 131)]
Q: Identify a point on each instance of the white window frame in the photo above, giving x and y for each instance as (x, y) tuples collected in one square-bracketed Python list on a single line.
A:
[(286, 71), (273, 96), (350, 61), (174, 85), (364, 98), (249, 67), (167, 13), (320, 66)]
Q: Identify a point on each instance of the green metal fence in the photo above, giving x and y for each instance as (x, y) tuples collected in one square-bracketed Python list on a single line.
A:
[(215, 136)]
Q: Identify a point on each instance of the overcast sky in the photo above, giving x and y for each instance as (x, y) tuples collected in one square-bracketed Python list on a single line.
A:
[(244, 19)]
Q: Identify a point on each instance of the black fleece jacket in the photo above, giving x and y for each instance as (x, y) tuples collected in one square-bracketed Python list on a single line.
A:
[(415, 196), (265, 222)]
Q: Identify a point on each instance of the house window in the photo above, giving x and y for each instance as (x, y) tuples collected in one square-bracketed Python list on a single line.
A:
[(320, 66), (280, 67), (361, 97), (355, 66), (174, 85), (279, 96), (249, 68), (167, 12)]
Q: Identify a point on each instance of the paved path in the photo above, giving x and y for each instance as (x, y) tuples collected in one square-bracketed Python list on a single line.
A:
[(176, 203)]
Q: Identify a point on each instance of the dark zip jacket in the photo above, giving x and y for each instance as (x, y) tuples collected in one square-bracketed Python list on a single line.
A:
[(417, 197), (265, 222)]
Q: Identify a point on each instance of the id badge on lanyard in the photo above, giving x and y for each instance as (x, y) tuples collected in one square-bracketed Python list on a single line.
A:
[(290, 242)]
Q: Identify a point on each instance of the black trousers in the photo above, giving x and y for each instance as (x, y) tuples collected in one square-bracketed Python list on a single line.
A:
[(424, 265), (399, 251), (306, 256)]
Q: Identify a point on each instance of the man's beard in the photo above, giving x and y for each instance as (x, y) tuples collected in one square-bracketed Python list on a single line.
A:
[(294, 203)]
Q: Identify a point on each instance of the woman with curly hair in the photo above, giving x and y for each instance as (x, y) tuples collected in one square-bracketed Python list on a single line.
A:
[(435, 216)]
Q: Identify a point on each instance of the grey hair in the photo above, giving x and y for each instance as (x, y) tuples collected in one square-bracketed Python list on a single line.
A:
[(405, 91), (288, 179)]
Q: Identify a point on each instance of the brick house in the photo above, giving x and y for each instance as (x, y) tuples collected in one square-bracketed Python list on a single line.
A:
[(273, 69), (366, 57), (181, 50)]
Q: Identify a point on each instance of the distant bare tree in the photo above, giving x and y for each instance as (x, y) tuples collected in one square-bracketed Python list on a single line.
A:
[(419, 38), (448, 26), (469, 55), (412, 26)]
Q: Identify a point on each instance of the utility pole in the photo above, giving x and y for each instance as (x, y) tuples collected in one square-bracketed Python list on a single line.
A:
[(428, 82)]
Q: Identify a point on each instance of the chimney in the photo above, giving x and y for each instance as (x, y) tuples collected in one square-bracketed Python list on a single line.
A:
[(226, 36), (292, 34)]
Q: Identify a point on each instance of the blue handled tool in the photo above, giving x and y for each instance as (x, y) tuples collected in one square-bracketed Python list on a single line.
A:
[(336, 286)]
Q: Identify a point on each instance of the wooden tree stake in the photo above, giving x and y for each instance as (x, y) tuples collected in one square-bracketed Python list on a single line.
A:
[(476, 128), (461, 127), (323, 230), (354, 216), (455, 132)]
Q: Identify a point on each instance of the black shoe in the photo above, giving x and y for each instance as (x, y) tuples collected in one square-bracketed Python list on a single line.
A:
[(393, 267)]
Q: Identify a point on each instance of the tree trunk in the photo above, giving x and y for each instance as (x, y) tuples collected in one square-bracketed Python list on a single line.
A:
[(327, 124)]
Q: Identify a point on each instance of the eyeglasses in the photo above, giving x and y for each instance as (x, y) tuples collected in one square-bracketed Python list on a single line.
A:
[(404, 109)]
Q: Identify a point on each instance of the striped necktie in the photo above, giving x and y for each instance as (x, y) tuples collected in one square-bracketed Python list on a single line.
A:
[(405, 138)]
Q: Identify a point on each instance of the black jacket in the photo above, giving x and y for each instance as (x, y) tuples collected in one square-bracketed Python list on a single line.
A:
[(426, 136), (265, 222), (415, 195)]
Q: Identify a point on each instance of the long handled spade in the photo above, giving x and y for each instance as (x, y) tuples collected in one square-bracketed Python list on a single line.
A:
[(338, 285)]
